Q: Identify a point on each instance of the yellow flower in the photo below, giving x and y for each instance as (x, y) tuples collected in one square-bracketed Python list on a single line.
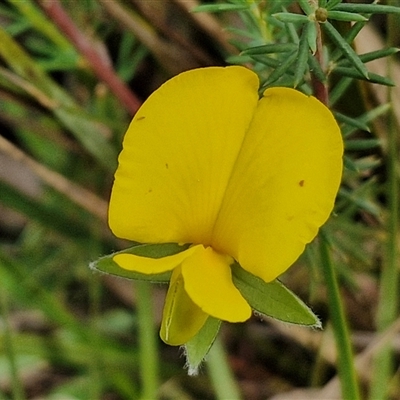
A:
[(206, 162)]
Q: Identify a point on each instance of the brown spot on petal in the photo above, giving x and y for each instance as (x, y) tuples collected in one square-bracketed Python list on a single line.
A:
[(301, 183)]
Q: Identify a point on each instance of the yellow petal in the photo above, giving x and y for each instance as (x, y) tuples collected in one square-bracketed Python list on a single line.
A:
[(182, 319), (146, 265), (208, 282), (178, 154), (283, 185)]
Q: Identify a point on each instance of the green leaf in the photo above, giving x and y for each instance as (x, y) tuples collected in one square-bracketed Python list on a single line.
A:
[(266, 60), (367, 8), (332, 4), (270, 48), (215, 8), (373, 55), (362, 144), (302, 57), (291, 17), (312, 36), (347, 50), (107, 265), (305, 5), (198, 347), (281, 69), (350, 164), (373, 78), (367, 117), (346, 16), (315, 69), (273, 299), (360, 201), (322, 3), (354, 122)]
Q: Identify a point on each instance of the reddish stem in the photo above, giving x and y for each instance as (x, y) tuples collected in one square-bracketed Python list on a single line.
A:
[(103, 71), (320, 88)]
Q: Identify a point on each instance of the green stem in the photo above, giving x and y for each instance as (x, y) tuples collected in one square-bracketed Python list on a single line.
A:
[(221, 374), (17, 388), (389, 285), (148, 349), (347, 374)]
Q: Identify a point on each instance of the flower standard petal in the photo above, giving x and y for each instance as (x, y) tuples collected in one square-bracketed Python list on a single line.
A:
[(208, 282), (182, 318), (283, 185), (178, 154)]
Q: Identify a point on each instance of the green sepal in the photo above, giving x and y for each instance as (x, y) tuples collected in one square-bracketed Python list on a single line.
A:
[(197, 348), (108, 266), (273, 299)]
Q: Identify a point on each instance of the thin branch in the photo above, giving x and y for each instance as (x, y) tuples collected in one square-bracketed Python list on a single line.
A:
[(320, 88)]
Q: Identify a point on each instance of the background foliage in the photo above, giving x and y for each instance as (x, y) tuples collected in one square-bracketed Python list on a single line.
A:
[(72, 74)]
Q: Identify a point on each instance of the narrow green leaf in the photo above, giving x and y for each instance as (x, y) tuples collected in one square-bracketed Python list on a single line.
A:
[(312, 36), (373, 55), (339, 90), (268, 61), (107, 265), (291, 17), (346, 16), (332, 3), (238, 60), (361, 144), (302, 57), (305, 5), (215, 8), (273, 299), (354, 122), (348, 52), (322, 3), (361, 201), (270, 48), (281, 69), (197, 348), (367, 8), (367, 117), (315, 69), (373, 78), (350, 164)]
